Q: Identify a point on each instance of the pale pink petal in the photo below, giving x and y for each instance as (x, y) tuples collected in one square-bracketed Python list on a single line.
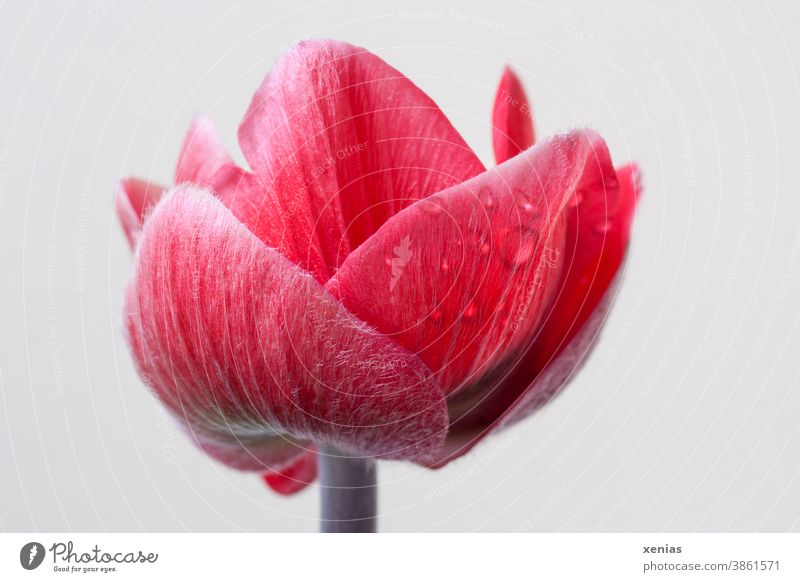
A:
[(248, 349)]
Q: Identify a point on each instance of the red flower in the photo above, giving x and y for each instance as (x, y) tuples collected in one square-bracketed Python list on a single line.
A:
[(369, 283)]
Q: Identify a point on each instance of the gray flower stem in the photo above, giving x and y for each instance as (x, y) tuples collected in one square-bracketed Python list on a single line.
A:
[(349, 490)]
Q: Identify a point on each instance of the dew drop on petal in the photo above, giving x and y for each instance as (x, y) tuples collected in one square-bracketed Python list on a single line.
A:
[(525, 250), (517, 245), (603, 227), (486, 197), (470, 310), (576, 199), (431, 207), (485, 249)]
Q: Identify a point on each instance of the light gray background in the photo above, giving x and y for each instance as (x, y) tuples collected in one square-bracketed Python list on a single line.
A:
[(686, 417)]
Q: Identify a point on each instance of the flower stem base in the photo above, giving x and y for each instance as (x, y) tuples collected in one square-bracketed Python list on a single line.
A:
[(348, 486)]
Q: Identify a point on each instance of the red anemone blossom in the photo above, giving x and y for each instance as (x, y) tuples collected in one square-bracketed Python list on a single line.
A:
[(368, 283)]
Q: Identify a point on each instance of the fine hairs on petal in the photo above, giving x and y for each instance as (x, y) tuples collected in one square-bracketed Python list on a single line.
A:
[(367, 283), (247, 347)]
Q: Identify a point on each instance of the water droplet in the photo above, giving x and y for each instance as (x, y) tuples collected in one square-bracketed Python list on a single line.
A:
[(525, 250), (518, 244), (470, 310), (527, 207), (486, 197), (576, 199), (485, 249), (388, 261), (445, 266), (431, 207), (604, 226)]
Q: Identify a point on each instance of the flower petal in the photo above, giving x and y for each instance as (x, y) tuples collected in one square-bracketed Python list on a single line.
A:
[(512, 119), (341, 142), (597, 238), (248, 349), (134, 199), (463, 277), (295, 476), (202, 153)]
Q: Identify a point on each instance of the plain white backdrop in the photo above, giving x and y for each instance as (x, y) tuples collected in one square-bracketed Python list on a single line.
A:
[(686, 417)]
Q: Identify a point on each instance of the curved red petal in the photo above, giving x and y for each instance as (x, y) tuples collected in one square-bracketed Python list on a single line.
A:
[(134, 199), (295, 476), (598, 232), (248, 349), (341, 141), (463, 277), (512, 118)]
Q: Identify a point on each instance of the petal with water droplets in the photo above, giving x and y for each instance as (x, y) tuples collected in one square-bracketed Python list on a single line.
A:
[(599, 221), (484, 260)]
